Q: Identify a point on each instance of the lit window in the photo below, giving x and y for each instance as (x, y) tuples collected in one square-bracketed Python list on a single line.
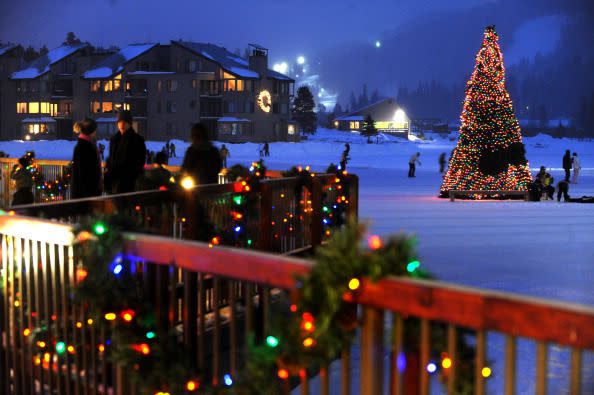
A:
[(33, 108), (228, 76), (335, 124), (95, 106), (291, 129), (127, 106), (239, 85), (107, 106), (172, 86), (354, 125), (95, 86), (116, 84), (21, 108), (54, 109), (45, 108), (230, 85)]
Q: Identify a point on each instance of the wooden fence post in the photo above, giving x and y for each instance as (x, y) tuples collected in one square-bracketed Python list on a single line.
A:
[(372, 355), (265, 225), (353, 207), (316, 217)]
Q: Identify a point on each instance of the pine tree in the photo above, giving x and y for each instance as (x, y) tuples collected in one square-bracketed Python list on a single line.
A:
[(353, 102), (30, 54), (303, 110), (369, 130), (489, 154), (43, 50), (71, 39), (338, 109)]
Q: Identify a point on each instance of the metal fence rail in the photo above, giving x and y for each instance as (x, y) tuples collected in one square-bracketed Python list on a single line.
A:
[(226, 296)]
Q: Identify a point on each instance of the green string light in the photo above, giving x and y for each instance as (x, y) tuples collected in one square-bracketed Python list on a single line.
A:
[(272, 341), (412, 266), (99, 228)]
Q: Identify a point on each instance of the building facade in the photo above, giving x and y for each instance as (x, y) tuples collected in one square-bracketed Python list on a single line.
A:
[(11, 60), (50, 92), (167, 88), (387, 115)]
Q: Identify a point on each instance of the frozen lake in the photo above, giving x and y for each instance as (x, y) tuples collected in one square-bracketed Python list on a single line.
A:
[(543, 249)]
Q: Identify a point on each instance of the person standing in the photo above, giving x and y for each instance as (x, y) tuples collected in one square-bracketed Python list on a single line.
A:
[(347, 149), (86, 162), (577, 166), (127, 155), (563, 189), (172, 150), (442, 162), (202, 160), (412, 164), (23, 177), (266, 149), (224, 155), (567, 164), (102, 151)]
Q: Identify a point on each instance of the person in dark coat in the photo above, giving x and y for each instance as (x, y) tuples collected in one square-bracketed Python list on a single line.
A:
[(86, 162), (127, 155), (23, 177), (202, 160), (563, 189), (442, 162), (567, 164)]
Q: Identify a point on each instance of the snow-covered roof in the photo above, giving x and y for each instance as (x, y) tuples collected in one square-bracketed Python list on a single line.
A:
[(228, 61), (39, 120), (115, 63), (42, 64), (351, 118), (232, 119), (7, 48)]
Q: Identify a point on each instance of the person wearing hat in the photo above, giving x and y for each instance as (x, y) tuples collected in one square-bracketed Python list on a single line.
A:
[(127, 156), (86, 165)]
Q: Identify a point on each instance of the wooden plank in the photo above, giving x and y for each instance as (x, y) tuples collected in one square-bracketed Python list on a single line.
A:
[(575, 382), (563, 323), (372, 343), (453, 355), (479, 364), (541, 368), (424, 355), (510, 365)]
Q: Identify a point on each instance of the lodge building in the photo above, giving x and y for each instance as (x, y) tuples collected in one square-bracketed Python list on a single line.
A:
[(167, 87), (387, 115)]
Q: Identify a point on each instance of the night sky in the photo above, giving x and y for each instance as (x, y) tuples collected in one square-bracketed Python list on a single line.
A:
[(420, 39)]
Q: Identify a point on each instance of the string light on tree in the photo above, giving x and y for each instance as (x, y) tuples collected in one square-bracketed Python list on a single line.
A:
[(489, 154)]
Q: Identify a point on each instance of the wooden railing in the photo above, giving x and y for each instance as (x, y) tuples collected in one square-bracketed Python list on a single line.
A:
[(288, 216), (226, 295)]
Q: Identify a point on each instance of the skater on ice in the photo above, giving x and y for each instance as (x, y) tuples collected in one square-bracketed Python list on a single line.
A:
[(412, 164)]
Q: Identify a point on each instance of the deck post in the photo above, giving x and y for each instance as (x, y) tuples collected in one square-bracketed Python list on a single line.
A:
[(372, 355), (316, 218)]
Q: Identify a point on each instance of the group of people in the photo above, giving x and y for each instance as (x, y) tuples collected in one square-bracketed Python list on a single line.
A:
[(264, 149), (542, 187), (125, 169)]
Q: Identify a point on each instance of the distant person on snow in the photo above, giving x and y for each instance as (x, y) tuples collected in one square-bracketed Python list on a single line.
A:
[(577, 166), (202, 160), (266, 149), (412, 164), (563, 188), (224, 155), (442, 162), (567, 164), (347, 148), (172, 151), (86, 163), (102, 151), (545, 182)]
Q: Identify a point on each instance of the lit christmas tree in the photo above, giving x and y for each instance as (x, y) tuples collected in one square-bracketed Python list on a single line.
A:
[(490, 154)]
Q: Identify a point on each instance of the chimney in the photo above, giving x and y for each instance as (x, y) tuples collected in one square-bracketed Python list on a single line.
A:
[(258, 59)]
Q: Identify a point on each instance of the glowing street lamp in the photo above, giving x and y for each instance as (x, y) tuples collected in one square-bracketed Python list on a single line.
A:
[(301, 59), (378, 44)]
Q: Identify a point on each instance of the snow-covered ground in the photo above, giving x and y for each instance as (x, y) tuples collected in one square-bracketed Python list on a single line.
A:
[(543, 249)]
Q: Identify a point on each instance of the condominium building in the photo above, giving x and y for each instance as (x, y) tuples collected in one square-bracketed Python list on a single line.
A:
[(167, 87), (11, 59), (50, 93)]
